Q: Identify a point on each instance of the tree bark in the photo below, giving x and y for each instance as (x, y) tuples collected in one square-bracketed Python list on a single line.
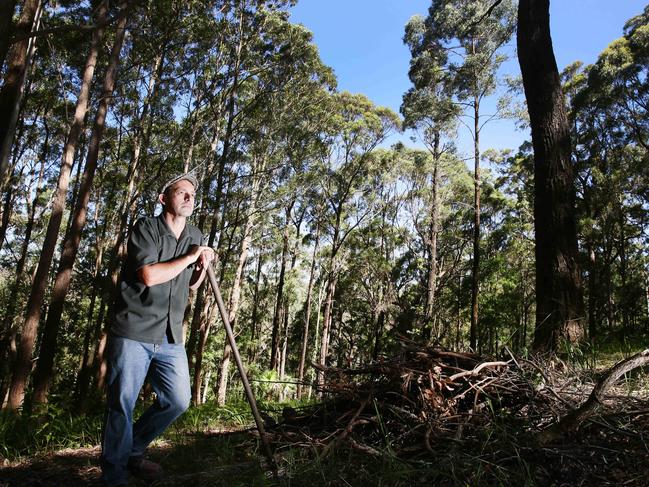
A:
[(475, 274), (625, 305), (279, 303), (33, 312), (559, 300), (331, 290), (7, 210), (432, 240), (284, 349), (82, 384), (316, 338), (307, 317), (254, 318), (8, 340), (14, 83), (326, 327), (7, 9), (199, 323), (43, 373), (593, 293)]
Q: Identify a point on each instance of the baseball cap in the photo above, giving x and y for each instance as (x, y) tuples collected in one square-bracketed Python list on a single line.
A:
[(188, 176)]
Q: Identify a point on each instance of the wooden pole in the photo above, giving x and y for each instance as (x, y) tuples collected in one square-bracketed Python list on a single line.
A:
[(242, 372)]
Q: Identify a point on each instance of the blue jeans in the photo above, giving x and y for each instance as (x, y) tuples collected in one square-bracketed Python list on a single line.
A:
[(129, 363)]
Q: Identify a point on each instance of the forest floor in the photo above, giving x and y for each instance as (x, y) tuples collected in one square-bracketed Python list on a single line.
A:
[(384, 426), (597, 456)]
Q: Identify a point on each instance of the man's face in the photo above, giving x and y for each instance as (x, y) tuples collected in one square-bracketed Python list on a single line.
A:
[(178, 199)]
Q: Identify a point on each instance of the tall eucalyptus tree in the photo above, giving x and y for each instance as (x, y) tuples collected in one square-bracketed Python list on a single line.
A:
[(559, 300), (473, 35), (357, 129), (43, 372), (428, 108)]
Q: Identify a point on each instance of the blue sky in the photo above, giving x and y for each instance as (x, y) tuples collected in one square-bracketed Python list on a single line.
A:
[(361, 41)]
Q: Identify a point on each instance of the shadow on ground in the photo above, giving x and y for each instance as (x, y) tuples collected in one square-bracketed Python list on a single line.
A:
[(213, 459)]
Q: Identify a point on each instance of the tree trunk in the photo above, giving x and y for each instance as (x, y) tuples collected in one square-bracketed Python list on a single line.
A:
[(8, 340), (285, 333), (326, 327), (8, 186), (593, 293), (646, 294), (316, 338), (559, 301), (7, 210), (43, 373), (307, 317), (235, 294), (625, 305), (201, 310), (200, 324), (378, 333), (206, 385), (36, 297), (254, 318), (7, 9), (82, 384), (432, 240), (20, 266), (100, 379), (475, 274), (286, 313), (279, 303), (14, 82), (331, 289)]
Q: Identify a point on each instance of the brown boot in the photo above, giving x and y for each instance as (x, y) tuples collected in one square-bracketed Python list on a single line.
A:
[(144, 469)]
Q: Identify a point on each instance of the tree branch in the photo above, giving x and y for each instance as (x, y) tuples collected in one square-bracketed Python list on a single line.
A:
[(484, 16), (576, 417), (87, 28)]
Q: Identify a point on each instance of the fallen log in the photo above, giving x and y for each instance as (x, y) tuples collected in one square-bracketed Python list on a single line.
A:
[(576, 417)]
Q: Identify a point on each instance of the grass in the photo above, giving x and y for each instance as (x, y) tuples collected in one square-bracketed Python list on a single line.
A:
[(208, 447), (49, 429)]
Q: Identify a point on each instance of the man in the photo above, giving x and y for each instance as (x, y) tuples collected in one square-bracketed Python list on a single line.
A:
[(165, 259)]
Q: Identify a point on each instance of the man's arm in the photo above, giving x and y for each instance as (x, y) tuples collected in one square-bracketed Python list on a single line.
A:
[(160, 272)]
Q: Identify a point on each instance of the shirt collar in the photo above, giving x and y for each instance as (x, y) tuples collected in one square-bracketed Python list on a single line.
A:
[(165, 230)]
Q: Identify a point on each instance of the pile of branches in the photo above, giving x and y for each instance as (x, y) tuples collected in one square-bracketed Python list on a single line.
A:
[(406, 405), (502, 422)]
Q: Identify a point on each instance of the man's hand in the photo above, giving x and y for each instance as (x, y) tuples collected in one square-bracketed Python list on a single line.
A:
[(203, 256), (160, 272)]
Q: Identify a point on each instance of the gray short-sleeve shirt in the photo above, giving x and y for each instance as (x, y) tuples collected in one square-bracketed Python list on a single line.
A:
[(145, 313)]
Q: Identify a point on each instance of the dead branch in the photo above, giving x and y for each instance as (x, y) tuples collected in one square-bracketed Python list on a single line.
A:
[(575, 418), (347, 430), (476, 371)]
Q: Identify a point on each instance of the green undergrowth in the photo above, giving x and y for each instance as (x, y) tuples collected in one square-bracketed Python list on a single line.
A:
[(56, 426), (51, 427)]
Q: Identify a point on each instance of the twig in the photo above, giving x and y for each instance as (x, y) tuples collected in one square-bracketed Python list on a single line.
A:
[(347, 430), (547, 381), (364, 448)]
